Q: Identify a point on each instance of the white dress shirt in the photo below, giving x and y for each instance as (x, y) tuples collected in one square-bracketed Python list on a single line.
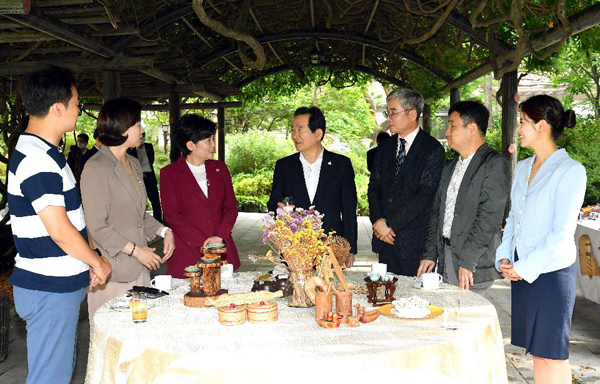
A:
[(199, 173), (311, 174), (409, 140), (452, 193)]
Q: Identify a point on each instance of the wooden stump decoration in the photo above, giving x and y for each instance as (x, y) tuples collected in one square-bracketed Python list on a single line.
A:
[(204, 284)]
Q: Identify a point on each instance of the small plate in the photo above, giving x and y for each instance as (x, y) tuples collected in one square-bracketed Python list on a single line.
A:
[(214, 246), (389, 310), (209, 261), (123, 306)]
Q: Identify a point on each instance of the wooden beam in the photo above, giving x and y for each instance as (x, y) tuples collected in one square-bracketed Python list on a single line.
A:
[(183, 107), (59, 3), (221, 133), (580, 22), (77, 65), (174, 115), (62, 31), (509, 117), (23, 37), (335, 36)]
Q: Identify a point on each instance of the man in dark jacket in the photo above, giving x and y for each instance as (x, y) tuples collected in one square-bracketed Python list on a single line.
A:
[(145, 154), (403, 184), (464, 229), (315, 176)]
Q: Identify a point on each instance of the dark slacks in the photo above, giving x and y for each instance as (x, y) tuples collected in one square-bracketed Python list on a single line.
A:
[(395, 264), (152, 190)]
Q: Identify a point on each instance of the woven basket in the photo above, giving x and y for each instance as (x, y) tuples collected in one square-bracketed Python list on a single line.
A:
[(264, 313), (232, 315)]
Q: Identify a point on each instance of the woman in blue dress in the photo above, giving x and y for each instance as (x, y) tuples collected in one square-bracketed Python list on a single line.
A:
[(538, 247)]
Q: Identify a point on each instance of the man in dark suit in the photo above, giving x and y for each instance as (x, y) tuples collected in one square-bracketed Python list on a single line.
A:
[(145, 154), (381, 136), (315, 176), (464, 229), (403, 184)]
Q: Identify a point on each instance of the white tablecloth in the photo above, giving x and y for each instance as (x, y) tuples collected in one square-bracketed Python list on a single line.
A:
[(590, 288), (187, 345)]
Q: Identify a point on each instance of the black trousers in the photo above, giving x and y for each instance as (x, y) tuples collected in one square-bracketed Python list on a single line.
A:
[(152, 191), (395, 264)]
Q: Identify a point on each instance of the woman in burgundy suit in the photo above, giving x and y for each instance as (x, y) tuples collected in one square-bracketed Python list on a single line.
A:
[(197, 196)]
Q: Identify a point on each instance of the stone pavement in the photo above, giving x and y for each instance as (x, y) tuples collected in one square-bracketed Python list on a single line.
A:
[(585, 334)]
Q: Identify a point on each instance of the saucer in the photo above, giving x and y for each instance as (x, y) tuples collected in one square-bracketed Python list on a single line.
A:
[(209, 261), (389, 310)]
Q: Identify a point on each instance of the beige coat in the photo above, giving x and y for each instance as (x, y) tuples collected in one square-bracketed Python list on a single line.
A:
[(114, 213)]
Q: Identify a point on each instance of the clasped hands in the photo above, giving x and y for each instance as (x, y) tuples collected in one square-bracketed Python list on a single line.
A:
[(383, 232), (507, 269)]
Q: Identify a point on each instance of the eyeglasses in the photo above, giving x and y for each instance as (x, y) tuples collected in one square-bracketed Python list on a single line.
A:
[(80, 106), (387, 114)]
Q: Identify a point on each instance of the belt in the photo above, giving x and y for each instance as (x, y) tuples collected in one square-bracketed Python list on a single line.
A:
[(447, 241)]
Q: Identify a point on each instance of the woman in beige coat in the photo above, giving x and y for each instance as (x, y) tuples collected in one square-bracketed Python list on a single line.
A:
[(114, 201)]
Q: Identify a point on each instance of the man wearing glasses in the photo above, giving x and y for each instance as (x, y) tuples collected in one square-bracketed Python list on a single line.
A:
[(403, 184)]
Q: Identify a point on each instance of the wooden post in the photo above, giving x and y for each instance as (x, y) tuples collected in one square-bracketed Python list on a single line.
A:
[(454, 96), (221, 133), (509, 117), (110, 86), (509, 125), (174, 115), (427, 118)]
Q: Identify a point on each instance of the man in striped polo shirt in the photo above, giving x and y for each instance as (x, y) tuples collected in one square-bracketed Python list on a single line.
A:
[(54, 264)]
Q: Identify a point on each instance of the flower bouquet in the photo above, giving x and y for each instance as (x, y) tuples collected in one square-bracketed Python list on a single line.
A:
[(296, 237)]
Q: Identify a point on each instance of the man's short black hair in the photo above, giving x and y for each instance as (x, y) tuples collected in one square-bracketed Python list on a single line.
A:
[(471, 111), (316, 118), (43, 88), (84, 136), (193, 128)]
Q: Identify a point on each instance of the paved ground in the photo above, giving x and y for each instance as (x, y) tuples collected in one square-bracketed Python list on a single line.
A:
[(585, 335)]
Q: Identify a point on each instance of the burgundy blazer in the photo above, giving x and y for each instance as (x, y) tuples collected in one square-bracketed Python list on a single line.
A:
[(194, 217)]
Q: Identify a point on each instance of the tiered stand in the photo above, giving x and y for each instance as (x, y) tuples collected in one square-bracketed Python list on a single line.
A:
[(206, 283)]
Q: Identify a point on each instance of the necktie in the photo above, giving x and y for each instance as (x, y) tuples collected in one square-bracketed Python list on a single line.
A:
[(400, 155)]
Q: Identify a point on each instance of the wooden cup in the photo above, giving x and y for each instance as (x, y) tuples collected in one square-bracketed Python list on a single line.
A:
[(343, 303), (323, 304)]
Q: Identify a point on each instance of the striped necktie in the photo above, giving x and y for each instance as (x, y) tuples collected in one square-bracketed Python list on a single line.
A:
[(400, 155)]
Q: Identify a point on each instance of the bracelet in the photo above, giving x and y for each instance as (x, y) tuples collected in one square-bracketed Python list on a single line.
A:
[(130, 254), (163, 231)]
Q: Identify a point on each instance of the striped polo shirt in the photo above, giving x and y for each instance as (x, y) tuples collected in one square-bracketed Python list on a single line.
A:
[(39, 177)]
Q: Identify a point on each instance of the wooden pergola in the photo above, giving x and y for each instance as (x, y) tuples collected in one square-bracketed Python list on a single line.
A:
[(163, 51)]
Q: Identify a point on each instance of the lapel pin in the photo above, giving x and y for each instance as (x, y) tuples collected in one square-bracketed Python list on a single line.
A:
[(218, 170), (329, 163)]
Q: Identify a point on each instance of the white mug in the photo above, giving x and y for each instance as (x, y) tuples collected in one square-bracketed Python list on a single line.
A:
[(162, 282), (226, 271), (431, 281), (380, 268)]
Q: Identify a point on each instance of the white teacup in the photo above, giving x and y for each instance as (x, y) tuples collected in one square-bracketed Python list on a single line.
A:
[(226, 271), (162, 282), (379, 268), (431, 281)]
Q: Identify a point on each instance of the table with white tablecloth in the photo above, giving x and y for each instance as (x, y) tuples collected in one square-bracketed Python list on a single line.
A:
[(589, 285), (179, 344)]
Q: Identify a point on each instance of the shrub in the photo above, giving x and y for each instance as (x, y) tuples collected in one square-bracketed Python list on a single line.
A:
[(252, 203), (254, 151), (259, 184)]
